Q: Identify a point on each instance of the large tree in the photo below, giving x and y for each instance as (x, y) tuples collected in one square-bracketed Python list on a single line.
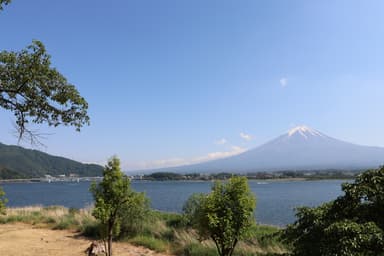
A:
[(353, 224), (114, 200), (225, 215), (37, 93)]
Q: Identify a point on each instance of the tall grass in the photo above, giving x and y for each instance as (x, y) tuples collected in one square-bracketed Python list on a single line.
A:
[(150, 242), (162, 232), (56, 217), (172, 230)]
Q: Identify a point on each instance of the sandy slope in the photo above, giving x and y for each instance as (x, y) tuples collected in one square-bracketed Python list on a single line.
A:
[(27, 240)]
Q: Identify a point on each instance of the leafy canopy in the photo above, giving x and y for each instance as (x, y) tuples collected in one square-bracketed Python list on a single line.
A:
[(37, 93), (225, 215), (353, 224)]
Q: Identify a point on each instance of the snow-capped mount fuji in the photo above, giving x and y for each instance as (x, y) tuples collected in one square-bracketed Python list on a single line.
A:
[(301, 148), (304, 131)]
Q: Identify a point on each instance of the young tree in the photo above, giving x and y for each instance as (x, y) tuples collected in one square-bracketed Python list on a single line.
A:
[(113, 199), (353, 224), (37, 93), (225, 215)]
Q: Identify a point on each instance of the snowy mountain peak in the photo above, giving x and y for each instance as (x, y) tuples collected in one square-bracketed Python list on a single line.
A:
[(304, 131), (301, 148)]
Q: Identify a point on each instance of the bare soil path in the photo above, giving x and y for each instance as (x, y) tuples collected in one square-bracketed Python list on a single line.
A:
[(26, 240)]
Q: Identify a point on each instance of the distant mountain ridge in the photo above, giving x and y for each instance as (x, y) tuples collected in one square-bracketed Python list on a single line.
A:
[(301, 148), (19, 162)]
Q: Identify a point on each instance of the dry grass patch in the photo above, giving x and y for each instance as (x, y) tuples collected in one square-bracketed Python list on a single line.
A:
[(56, 217)]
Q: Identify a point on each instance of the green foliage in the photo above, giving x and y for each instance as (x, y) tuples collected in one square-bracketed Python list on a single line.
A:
[(6, 173), (3, 201), (265, 236), (192, 209), (17, 162), (37, 93), (134, 214), (68, 221), (353, 224), (72, 211), (197, 249), (225, 215), (32, 217), (3, 2), (89, 227), (159, 230), (164, 176), (114, 201), (150, 242)]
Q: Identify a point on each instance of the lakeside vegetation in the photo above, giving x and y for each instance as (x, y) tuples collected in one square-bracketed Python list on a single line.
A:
[(222, 222), (159, 231), (121, 214), (277, 175), (224, 217), (352, 224), (218, 222)]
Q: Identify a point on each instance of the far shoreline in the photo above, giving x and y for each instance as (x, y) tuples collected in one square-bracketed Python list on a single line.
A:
[(90, 179)]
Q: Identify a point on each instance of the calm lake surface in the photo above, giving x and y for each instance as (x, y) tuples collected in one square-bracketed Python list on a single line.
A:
[(276, 200)]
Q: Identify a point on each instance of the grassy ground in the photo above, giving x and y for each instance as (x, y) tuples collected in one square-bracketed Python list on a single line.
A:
[(161, 232)]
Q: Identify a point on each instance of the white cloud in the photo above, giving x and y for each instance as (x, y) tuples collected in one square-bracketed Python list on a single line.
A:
[(245, 136), (171, 162), (235, 150), (284, 82), (221, 141), (168, 162)]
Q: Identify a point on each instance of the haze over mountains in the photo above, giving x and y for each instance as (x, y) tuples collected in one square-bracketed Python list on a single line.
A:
[(302, 148)]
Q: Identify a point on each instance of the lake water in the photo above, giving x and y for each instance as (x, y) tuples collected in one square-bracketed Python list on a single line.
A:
[(275, 200)]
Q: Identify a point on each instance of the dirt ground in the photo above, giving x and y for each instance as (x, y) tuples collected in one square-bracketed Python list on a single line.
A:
[(27, 240)]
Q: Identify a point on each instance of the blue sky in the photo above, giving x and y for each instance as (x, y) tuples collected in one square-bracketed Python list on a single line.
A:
[(175, 82)]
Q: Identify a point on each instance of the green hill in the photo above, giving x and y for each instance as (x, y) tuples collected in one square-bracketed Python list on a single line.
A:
[(18, 162)]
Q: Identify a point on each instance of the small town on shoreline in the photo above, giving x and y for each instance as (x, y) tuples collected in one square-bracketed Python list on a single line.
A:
[(170, 176)]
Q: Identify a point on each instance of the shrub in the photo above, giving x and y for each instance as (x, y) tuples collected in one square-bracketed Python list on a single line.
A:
[(67, 222), (353, 224), (151, 243), (195, 249), (90, 228)]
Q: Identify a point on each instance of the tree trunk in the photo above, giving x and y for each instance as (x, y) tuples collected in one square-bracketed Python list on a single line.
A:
[(110, 233), (226, 252), (233, 247), (110, 245)]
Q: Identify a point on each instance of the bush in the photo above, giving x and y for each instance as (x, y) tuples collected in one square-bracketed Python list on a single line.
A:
[(67, 222), (195, 249), (264, 235), (134, 216), (353, 224), (90, 228), (73, 211), (151, 243)]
